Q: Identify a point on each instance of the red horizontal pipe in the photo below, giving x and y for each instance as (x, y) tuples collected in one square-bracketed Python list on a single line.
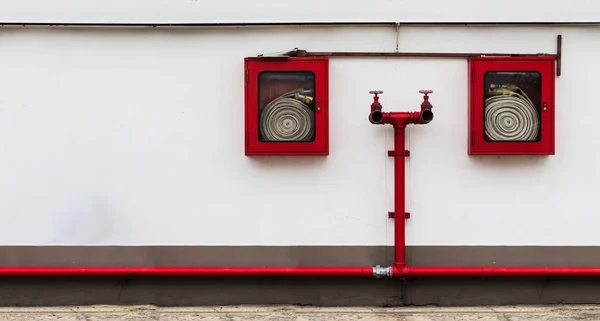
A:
[(258, 271), (488, 271)]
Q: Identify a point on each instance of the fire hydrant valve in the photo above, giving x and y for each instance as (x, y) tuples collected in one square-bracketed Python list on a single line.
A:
[(401, 119)]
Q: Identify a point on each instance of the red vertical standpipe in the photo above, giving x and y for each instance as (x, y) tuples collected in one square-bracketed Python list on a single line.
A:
[(399, 120), (399, 197)]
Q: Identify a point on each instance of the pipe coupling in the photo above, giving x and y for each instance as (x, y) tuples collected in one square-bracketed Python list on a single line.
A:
[(382, 272)]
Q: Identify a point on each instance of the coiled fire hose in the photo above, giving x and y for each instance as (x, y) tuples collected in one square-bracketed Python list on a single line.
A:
[(288, 118), (510, 115)]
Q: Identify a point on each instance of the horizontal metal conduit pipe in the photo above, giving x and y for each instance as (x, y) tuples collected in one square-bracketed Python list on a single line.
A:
[(302, 53), (292, 24)]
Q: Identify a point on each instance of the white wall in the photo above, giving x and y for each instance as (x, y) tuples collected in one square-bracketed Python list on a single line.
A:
[(135, 137), (270, 11)]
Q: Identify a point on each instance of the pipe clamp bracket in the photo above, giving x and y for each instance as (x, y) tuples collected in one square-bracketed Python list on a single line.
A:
[(393, 215), (392, 153)]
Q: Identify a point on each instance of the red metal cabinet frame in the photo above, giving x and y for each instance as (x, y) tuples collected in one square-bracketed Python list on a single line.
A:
[(525, 124), (267, 79)]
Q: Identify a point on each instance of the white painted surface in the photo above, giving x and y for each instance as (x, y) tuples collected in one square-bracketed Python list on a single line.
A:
[(135, 137), (270, 11)]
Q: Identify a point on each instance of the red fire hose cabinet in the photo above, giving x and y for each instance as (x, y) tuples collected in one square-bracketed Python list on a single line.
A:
[(286, 106), (511, 108)]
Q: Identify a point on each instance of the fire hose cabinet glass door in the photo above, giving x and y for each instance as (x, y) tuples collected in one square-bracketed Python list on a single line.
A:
[(286, 107), (511, 105)]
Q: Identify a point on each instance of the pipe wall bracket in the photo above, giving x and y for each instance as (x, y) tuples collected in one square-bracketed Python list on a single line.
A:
[(393, 215), (392, 153)]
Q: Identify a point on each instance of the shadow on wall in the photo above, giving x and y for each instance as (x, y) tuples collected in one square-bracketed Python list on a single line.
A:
[(509, 162), (286, 163)]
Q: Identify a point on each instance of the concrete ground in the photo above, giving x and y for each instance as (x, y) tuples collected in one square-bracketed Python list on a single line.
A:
[(284, 313)]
